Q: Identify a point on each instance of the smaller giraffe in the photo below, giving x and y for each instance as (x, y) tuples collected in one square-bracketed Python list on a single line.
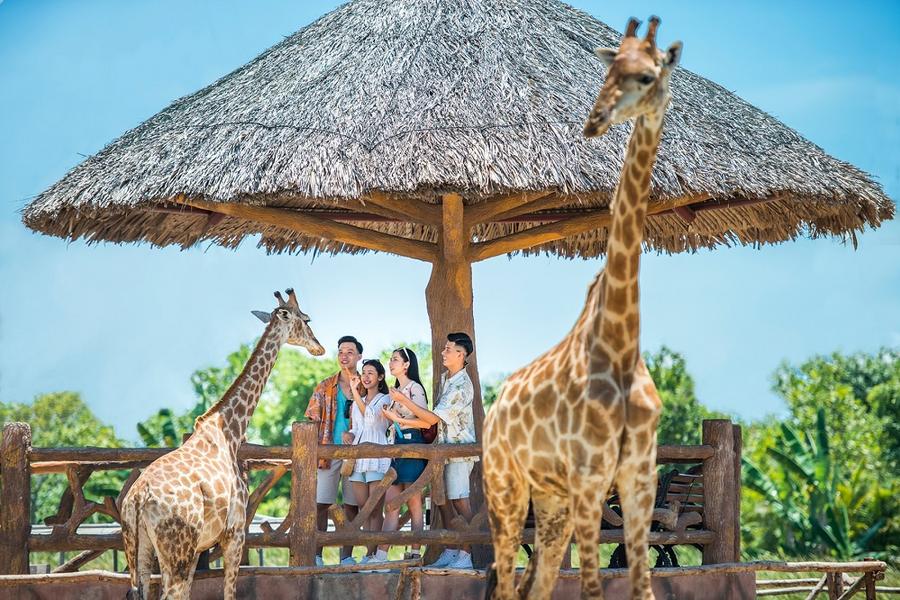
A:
[(583, 415), (196, 496)]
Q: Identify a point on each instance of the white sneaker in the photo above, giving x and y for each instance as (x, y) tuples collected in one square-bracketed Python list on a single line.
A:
[(319, 561), (371, 560), (446, 557), (349, 561), (462, 561)]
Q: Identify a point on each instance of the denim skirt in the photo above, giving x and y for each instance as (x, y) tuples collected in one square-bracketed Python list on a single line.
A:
[(408, 469)]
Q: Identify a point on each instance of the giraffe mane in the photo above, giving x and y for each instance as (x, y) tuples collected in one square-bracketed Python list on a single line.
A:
[(239, 381)]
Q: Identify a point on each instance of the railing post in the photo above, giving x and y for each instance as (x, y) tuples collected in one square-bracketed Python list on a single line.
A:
[(719, 491), (15, 498), (304, 464)]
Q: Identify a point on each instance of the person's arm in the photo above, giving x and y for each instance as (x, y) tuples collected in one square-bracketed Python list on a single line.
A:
[(314, 407), (453, 403), (354, 391), (405, 423), (422, 414)]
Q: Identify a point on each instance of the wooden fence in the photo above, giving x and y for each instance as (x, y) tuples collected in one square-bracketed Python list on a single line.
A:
[(701, 507)]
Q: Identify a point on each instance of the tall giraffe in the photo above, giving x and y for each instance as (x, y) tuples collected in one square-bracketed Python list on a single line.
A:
[(583, 415), (196, 496)]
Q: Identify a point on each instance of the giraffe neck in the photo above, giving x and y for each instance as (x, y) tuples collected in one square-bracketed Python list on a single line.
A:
[(616, 326), (238, 403)]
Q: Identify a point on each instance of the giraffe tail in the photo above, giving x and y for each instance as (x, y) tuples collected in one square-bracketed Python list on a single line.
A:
[(136, 592), (491, 581)]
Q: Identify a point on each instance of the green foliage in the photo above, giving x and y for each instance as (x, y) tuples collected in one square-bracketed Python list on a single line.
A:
[(828, 473), (812, 497), (861, 397), (63, 419), (682, 415)]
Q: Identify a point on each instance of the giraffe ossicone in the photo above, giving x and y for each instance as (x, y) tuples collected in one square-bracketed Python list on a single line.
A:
[(582, 417), (196, 496)]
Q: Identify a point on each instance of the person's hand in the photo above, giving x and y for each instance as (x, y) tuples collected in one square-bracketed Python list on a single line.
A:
[(398, 396), (353, 379), (347, 438), (389, 414)]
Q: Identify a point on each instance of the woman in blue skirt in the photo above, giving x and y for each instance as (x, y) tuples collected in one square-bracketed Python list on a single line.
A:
[(407, 430)]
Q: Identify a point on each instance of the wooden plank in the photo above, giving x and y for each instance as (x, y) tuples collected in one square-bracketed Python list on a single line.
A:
[(454, 238), (302, 534), (551, 232), (427, 451), (56, 460), (718, 490), (308, 224), (15, 499), (489, 209)]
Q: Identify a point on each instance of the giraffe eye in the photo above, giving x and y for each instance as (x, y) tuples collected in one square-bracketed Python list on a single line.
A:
[(646, 79)]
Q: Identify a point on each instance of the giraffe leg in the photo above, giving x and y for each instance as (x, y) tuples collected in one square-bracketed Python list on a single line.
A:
[(588, 499), (177, 553), (637, 490), (554, 532), (636, 479), (232, 551), (506, 492)]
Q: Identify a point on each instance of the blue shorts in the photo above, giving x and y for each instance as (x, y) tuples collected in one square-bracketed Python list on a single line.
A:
[(367, 476)]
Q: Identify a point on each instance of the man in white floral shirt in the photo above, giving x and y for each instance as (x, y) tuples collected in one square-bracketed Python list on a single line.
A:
[(456, 425)]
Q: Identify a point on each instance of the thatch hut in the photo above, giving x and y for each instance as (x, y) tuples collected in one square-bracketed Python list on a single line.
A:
[(447, 131)]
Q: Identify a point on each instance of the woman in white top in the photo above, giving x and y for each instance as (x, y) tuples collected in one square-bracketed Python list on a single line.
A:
[(405, 367), (368, 424)]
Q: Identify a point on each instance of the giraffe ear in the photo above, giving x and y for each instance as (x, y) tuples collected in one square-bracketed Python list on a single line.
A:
[(261, 315), (672, 56), (606, 55)]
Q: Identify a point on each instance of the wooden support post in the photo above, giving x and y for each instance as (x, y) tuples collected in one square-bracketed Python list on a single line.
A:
[(870, 585), (304, 464), (835, 585), (15, 499), (449, 301), (738, 449), (719, 491)]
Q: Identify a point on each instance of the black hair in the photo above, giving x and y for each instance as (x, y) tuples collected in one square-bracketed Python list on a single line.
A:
[(413, 371), (379, 368), (349, 338), (463, 341)]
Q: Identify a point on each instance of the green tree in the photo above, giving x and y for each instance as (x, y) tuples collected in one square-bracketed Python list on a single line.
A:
[(855, 398), (813, 497), (861, 396), (682, 414), (62, 419)]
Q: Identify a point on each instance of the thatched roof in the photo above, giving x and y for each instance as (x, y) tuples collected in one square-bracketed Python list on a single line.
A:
[(416, 97)]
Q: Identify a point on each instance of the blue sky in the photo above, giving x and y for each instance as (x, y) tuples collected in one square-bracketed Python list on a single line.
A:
[(126, 325)]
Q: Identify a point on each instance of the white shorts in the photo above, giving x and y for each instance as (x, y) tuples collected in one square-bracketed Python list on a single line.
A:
[(456, 478), (327, 481)]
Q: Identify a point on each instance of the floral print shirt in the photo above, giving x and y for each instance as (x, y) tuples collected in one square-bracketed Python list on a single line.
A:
[(454, 407)]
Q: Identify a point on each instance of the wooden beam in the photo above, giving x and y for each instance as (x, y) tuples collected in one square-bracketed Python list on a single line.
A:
[(319, 227), (486, 211), (412, 209), (551, 232), (525, 212)]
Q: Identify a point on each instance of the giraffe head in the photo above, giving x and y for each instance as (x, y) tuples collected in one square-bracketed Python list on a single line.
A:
[(289, 316), (637, 79)]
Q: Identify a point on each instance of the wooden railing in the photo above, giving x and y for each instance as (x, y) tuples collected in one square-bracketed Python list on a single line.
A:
[(702, 508)]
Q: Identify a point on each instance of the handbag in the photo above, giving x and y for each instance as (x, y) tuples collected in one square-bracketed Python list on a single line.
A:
[(430, 434)]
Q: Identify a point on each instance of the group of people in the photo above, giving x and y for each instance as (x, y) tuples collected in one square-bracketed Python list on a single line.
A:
[(355, 407)]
